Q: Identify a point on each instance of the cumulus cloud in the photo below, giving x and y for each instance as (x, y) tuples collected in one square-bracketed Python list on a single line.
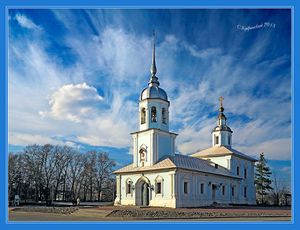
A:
[(26, 22), (74, 102)]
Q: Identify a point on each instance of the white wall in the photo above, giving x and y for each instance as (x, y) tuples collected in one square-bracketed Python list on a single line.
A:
[(165, 199), (173, 189), (158, 143)]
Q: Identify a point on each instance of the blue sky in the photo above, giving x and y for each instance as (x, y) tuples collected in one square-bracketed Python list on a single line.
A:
[(75, 78)]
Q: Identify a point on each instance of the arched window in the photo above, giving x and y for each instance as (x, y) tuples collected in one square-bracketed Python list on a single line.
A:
[(143, 116), (128, 186), (153, 114), (164, 116), (238, 170), (229, 140), (159, 185), (217, 140)]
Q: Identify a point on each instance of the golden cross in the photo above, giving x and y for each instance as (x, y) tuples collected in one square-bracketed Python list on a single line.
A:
[(221, 101)]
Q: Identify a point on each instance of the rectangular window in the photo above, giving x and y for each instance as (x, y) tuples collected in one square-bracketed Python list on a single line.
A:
[(217, 140), (232, 191), (202, 188), (245, 192), (229, 140), (164, 117), (245, 173), (158, 188), (223, 190), (185, 187), (143, 116), (238, 170)]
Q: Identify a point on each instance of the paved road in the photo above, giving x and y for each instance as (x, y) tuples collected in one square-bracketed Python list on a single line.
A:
[(100, 214)]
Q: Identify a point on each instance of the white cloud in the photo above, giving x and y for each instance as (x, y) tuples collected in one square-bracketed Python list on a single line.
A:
[(277, 149), (74, 102), (26, 22), (30, 139), (205, 53)]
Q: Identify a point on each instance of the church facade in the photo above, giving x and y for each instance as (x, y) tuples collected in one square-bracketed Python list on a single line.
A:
[(159, 177)]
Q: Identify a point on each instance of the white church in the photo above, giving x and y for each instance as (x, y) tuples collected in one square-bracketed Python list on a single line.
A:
[(159, 177)]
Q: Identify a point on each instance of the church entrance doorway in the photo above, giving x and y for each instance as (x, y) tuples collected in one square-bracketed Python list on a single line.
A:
[(142, 192), (145, 194)]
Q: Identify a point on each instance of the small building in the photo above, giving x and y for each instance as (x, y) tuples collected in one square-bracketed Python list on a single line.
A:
[(159, 177)]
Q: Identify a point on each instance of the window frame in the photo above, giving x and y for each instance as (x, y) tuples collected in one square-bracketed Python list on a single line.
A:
[(217, 140), (129, 184), (158, 191), (185, 188), (153, 114), (201, 188), (143, 115), (164, 116), (245, 192), (159, 180)]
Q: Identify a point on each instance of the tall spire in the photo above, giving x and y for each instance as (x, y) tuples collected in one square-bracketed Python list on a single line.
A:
[(153, 79), (153, 66)]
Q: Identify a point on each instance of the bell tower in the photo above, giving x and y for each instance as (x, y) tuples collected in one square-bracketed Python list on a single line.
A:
[(221, 134), (153, 140)]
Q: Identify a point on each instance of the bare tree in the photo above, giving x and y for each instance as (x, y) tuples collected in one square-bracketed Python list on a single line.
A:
[(41, 172), (76, 171), (104, 169)]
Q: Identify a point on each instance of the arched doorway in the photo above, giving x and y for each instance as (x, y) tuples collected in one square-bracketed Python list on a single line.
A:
[(142, 192), (145, 194)]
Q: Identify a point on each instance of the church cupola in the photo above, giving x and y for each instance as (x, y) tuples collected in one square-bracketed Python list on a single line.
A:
[(154, 104), (221, 134)]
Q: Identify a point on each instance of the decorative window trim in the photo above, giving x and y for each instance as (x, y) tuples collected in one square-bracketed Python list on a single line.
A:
[(160, 180), (153, 114), (143, 153), (128, 187)]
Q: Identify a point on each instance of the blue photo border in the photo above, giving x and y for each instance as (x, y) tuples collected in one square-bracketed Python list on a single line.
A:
[(6, 4)]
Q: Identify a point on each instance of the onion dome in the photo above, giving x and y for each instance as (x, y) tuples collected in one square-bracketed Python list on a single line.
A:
[(222, 126)]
